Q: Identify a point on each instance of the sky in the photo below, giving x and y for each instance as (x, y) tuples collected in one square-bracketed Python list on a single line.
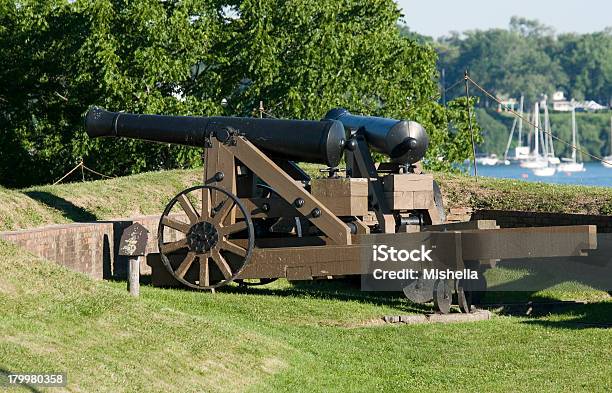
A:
[(438, 17)]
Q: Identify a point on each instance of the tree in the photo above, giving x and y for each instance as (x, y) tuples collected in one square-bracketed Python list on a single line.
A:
[(507, 62), (301, 58), (586, 60)]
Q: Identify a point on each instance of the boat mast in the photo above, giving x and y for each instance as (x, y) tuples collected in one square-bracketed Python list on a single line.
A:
[(549, 138), (520, 124), (536, 122), (574, 147), (510, 139)]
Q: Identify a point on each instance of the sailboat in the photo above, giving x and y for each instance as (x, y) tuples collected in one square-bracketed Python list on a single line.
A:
[(535, 159), (607, 160), (570, 165), (520, 152), (550, 147)]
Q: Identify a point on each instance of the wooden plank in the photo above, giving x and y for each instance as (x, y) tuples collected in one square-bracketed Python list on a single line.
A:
[(407, 182), (344, 197), (513, 243), (457, 226)]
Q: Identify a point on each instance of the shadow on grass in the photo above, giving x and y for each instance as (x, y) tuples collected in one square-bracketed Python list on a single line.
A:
[(550, 312), (345, 289), (68, 210)]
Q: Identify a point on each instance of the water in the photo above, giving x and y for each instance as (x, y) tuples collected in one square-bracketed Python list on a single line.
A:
[(595, 175)]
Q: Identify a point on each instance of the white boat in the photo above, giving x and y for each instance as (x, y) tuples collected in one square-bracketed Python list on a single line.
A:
[(545, 172), (491, 160), (521, 152), (534, 163), (549, 147), (536, 160), (570, 165), (607, 160)]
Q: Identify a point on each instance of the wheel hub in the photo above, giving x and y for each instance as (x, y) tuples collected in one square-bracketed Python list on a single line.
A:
[(202, 236)]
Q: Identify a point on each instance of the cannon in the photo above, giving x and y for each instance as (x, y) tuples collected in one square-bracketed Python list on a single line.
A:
[(257, 216)]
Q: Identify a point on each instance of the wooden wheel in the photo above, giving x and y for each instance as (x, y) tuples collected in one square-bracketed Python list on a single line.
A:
[(464, 296), (203, 253), (443, 295)]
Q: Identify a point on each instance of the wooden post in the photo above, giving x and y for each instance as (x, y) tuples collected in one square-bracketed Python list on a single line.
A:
[(134, 276), (133, 245)]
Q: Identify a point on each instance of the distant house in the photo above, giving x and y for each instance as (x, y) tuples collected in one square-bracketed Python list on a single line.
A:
[(562, 104)]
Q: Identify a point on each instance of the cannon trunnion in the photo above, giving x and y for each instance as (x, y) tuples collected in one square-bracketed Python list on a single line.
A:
[(257, 216)]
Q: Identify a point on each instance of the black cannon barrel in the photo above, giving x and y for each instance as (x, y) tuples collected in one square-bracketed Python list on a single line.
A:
[(297, 140), (405, 142)]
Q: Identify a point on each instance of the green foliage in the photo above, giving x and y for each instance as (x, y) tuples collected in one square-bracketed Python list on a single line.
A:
[(528, 58), (586, 61), (301, 58)]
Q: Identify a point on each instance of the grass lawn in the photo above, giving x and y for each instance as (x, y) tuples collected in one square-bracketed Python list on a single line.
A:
[(308, 338), (315, 337)]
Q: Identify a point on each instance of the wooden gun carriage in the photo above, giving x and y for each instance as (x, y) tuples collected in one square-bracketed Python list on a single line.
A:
[(257, 216)]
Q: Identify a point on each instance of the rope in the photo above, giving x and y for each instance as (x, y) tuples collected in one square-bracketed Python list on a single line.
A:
[(268, 114), (69, 172), (96, 173), (83, 167), (454, 85), (509, 109)]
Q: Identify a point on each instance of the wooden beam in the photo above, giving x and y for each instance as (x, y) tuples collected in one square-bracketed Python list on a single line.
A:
[(287, 188)]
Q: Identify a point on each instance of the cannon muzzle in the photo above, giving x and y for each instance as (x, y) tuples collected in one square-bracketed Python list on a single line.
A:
[(296, 140), (405, 142)]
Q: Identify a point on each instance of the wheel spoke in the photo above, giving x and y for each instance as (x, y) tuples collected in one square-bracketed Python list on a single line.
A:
[(233, 248), (227, 206), (222, 264), (188, 208), (173, 246), (205, 204), (204, 272), (185, 265), (233, 228), (175, 224)]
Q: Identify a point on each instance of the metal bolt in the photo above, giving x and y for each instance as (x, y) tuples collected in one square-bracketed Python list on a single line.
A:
[(351, 145), (316, 212), (299, 202), (265, 207), (219, 176)]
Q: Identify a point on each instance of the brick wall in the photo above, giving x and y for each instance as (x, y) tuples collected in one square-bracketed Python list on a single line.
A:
[(90, 248)]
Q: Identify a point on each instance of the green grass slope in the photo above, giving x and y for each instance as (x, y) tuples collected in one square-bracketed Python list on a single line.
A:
[(148, 193), (308, 338)]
